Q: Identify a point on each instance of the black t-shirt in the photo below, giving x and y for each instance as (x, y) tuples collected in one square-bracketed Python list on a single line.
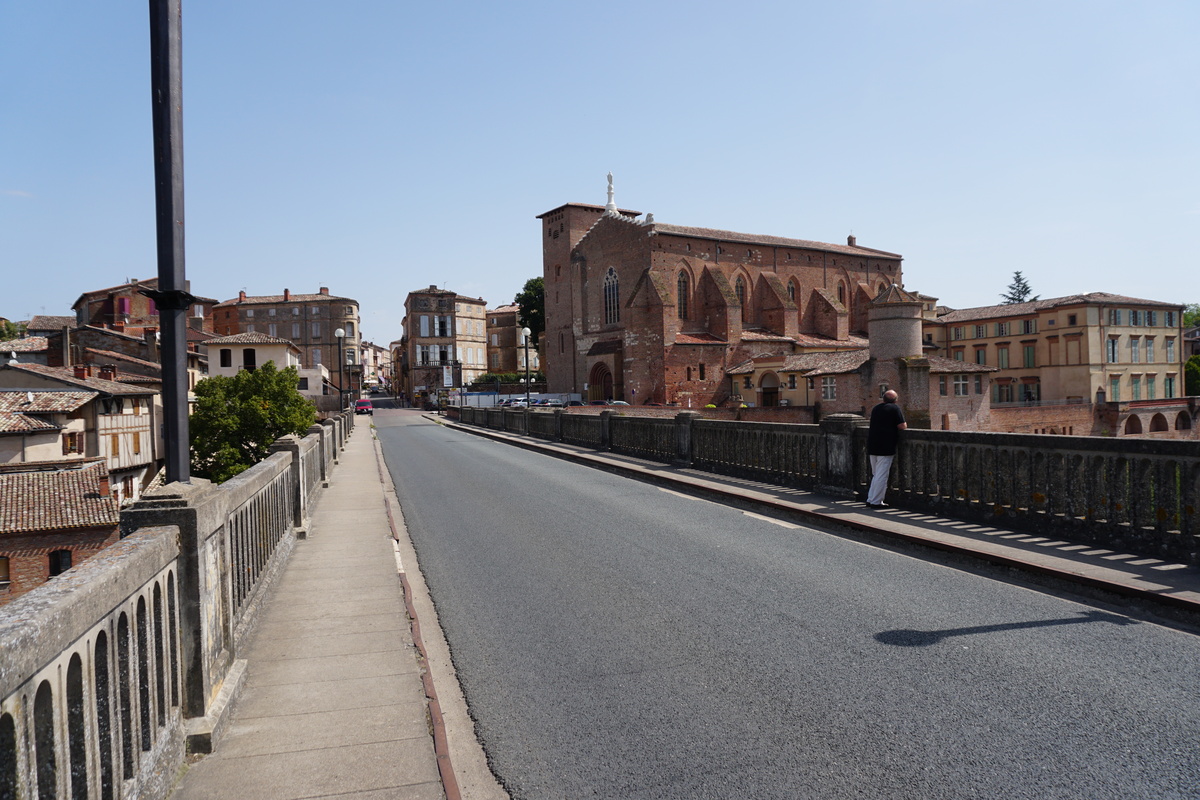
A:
[(884, 432)]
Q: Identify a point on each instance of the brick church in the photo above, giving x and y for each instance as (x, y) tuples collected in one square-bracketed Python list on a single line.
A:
[(647, 312)]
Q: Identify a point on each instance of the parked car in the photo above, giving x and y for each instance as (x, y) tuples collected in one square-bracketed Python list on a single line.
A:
[(575, 403), (553, 403), (364, 407), (616, 403)]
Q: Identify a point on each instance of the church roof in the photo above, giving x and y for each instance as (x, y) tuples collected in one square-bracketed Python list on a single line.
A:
[(769, 241)]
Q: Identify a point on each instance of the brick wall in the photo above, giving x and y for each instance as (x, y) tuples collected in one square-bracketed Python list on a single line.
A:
[(29, 555)]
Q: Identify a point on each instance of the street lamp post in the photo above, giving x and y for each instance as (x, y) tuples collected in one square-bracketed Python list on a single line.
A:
[(525, 338), (341, 336)]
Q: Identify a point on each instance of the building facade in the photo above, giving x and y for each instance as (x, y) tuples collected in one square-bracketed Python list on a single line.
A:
[(124, 308), (444, 343), (309, 321), (506, 342), (1085, 348), (648, 312)]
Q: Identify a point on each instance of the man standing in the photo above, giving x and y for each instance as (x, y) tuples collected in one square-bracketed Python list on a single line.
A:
[(887, 420)]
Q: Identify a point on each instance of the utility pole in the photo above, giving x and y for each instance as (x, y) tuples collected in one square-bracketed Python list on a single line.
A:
[(171, 297)]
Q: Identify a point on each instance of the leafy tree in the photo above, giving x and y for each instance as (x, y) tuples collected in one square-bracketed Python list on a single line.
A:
[(1191, 315), (10, 330), (490, 378), (237, 419), (531, 307), (1191, 376), (1018, 291)]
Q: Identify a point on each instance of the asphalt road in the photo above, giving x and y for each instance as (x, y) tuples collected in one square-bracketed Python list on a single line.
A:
[(615, 640)]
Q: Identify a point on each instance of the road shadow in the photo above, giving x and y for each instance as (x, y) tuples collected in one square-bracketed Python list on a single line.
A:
[(913, 638)]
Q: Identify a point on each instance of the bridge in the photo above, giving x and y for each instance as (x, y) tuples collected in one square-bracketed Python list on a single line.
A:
[(114, 672)]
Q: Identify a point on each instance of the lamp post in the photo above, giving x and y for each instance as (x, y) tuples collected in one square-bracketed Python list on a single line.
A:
[(525, 339), (341, 336)]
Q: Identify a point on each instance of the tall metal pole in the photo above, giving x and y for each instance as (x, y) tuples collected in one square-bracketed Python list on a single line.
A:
[(172, 298)]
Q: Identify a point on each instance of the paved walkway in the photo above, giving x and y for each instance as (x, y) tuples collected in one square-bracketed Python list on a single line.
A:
[(334, 703)]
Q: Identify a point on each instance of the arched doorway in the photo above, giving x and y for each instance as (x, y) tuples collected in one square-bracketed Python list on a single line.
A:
[(600, 383), (769, 384)]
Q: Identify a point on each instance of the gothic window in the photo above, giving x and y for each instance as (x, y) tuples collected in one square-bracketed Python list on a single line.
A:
[(740, 289), (612, 296), (842, 293), (683, 289), (792, 292)]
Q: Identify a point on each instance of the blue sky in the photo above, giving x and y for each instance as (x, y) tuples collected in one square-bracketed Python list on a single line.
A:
[(378, 146)]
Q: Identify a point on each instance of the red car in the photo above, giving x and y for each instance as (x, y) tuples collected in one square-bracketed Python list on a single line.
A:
[(364, 407)]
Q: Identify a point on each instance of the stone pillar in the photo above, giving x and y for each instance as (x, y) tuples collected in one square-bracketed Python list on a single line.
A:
[(558, 425), (291, 445), (605, 430), (198, 510), (683, 437), (333, 437), (319, 432), (838, 459)]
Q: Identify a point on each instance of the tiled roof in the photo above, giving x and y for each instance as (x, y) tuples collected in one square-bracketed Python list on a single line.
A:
[(894, 294), (42, 322), (194, 335), (771, 241), (44, 402), (851, 342), (697, 338), (276, 299), (30, 344), (114, 355), (624, 211), (1034, 306), (251, 338), (941, 364), (54, 495), (16, 422), (67, 376), (815, 364), (759, 335), (503, 309)]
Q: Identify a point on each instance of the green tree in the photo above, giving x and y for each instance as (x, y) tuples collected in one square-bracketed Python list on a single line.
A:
[(1018, 291), (10, 330), (531, 307), (237, 419), (1191, 376), (1191, 315)]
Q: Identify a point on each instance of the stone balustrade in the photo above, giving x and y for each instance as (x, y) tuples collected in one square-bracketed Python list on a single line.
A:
[(1136, 495), (111, 672)]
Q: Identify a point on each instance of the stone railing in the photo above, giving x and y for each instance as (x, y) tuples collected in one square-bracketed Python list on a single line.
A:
[(111, 672), (1138, 495)]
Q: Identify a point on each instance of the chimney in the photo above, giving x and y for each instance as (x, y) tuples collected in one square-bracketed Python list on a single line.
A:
[(324, 290), (287, 295), (81, 371), (108, 372), (242, 296), (151, 337), (105, 490), (850, 240), (196, 323)]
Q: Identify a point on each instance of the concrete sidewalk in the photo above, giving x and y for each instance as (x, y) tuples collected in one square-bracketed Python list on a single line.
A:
[(334, 702), (1163, 590)]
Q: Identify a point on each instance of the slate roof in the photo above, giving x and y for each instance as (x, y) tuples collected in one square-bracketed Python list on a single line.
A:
[(67, 376), (30, 344), (1034, 306), (54, 495)]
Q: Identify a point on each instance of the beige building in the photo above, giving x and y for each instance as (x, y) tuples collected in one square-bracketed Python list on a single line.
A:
[(506, 344), (1084, 348), (444, 343), (309, 321)]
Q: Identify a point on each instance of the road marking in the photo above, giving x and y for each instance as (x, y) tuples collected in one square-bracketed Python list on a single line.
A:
[(772, 520)]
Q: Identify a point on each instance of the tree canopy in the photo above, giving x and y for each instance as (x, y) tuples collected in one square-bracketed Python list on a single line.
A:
[(10, 330), (237, 419), (1191, 315), (1191, 376), (531, 307), (1018, 291)]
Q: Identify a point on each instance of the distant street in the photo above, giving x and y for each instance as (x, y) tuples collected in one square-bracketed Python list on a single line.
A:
[(615, 640)]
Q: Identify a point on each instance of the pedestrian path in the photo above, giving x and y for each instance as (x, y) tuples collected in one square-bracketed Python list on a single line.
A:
[(334, 704), (1168, 590)]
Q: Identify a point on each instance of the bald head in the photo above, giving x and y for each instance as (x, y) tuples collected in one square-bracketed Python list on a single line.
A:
[(891, 396)]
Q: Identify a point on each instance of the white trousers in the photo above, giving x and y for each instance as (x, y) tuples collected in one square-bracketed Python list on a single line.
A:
[(881, 467)]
